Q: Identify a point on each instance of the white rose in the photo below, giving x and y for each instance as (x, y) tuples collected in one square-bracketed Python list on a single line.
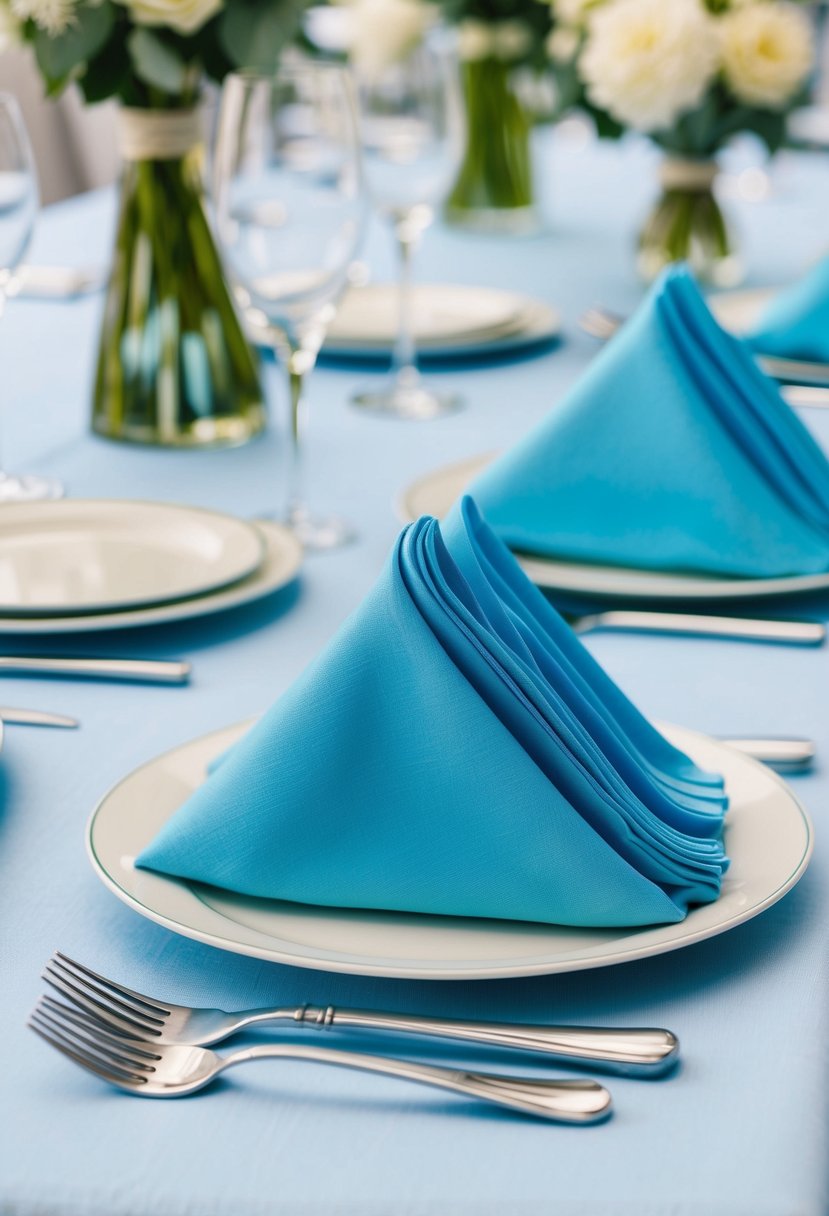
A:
[(53, 16), (767, 52), (384, 31), (562, 44), (184, 16), (9, 28), (573, 12), (475, 40), (648, 61)]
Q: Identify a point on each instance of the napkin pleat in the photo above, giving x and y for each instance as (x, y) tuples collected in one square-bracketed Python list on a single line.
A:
[(438, 758), (672, 452)]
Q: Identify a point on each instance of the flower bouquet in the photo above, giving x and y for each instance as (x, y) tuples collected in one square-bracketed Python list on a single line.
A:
[(174, 366), (690, 74)]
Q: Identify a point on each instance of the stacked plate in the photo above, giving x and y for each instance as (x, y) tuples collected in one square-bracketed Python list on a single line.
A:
[(92, 564), (449, 321)]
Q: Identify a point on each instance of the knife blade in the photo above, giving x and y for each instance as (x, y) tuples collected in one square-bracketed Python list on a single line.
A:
[(35, 717), (151, 671)]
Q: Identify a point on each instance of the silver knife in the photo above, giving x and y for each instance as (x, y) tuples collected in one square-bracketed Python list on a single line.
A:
[(154, 671), (795, 633), (35, 717)]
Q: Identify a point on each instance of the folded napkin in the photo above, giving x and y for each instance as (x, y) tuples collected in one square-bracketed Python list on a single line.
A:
[(456, 750), (795, 325), (672, 452)]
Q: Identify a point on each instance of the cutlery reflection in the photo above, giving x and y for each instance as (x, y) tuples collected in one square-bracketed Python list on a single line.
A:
[(783, 755), (56, 282), (167, 1071), (793, 633), (804, 384), (153, 671), (637, 1051), (35, 717)]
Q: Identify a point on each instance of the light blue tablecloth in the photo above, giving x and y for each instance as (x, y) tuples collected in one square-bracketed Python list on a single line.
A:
[(740, 1131)]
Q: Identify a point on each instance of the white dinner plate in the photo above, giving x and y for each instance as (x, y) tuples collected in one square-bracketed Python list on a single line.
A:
[(740, 311), (450, 321), (106, 555), (281, 562), (768, 837), (435, 493)]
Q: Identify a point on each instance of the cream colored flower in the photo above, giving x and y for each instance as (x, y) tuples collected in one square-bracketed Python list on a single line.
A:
[(384, 31), (562, 43), (512, 40), (183, 16), (53, 16), (573, 12), (475, 39), (648, 61), (767, 52), (9, 27)]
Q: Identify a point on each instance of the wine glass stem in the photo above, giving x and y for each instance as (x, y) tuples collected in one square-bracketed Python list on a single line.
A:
[(404, 366), (295, 509)]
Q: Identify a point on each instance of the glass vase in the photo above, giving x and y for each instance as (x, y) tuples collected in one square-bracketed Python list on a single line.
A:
[(494, 191), (174, 367), (687, 224)]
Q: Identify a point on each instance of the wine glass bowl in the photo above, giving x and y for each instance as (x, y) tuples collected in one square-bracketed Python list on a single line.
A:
[(412, 133), (290, 210)]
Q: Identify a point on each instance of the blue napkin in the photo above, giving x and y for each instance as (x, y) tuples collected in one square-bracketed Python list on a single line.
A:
[(795, 325), (672, 452), (455, 750)]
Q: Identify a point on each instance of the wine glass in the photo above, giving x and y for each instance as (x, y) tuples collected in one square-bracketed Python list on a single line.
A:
[(412, 131), (18, 208), (290, 211)]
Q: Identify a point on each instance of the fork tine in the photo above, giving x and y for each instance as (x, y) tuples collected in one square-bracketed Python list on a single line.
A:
[(91, 1029), (115, 1057), (127, 1024), (152, 1007), (124, 1001), (81, 1017), (91, 1063)]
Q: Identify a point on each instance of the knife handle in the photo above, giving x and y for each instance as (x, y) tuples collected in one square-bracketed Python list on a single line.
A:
[(783, 755), (152, 671), (793, 633)]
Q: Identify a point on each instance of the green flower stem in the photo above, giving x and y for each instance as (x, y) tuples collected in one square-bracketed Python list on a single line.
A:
[(496, 173), (688, 226), (174, 366)]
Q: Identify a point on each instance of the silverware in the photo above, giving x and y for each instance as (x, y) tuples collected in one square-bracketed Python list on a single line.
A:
[(783, 755), (35, 717), (160, 1070), (804, 384), (154, 671), (124, 1011), (56, 282), (794, 633)]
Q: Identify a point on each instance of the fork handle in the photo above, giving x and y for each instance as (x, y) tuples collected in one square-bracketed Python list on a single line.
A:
[(793, 633), (151, 671), (566, 1101), (639, 1051)]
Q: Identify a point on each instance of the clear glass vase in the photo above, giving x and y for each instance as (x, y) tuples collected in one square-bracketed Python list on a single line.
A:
[(494, 191), (174, 367), (688, 225)]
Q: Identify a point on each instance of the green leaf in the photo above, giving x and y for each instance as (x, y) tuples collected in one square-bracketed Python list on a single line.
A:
[(155, 62), (253, 33), (106, 75), (65, 55)]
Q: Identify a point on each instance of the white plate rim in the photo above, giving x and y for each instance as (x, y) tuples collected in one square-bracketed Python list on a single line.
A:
[(247, 591), (334, 961), (241, 560), (616, 582)]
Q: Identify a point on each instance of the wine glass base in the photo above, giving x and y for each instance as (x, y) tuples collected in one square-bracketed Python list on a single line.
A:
[(320, 535), (412, 403), (28, 489)]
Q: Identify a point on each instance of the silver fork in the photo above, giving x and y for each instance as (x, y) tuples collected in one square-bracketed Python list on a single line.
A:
[(649, 1052), (169, 1071)]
